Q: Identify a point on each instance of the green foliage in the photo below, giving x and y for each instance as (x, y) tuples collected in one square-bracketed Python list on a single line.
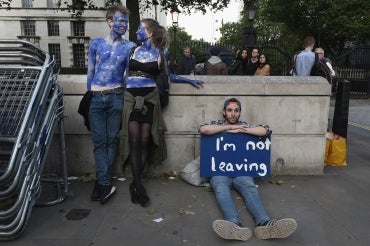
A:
[(77, 7), (182, 38), (5, 3), (233, 34), (331, 22), (284, 23)]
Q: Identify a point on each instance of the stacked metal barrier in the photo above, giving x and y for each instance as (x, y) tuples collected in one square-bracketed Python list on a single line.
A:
[(31, 107)]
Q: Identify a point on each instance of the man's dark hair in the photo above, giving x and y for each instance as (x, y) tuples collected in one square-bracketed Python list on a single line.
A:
[(214, 51), (117, 7), (308, 41), (233, 99)]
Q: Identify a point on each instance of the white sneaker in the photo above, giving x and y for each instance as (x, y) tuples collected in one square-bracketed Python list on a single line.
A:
[(230, 230), (276, 229)]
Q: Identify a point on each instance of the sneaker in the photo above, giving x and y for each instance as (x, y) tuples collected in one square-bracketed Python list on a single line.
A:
[(276, 229), (106, 192), (95, 195), (230, 230)]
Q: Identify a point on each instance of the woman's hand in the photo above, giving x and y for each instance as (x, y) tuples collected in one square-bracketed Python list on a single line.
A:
[(179, 79), (197, 83)]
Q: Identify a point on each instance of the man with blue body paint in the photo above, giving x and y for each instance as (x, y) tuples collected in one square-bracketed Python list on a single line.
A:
[(108, 58)]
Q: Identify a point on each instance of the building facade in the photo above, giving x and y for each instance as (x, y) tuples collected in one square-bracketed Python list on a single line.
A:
[(56, 31)]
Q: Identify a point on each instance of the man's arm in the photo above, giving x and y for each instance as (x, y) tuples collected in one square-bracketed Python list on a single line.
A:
[(213, 129)]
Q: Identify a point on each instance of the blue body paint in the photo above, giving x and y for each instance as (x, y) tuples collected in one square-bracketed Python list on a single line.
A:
[(108, 57), (149, 53)]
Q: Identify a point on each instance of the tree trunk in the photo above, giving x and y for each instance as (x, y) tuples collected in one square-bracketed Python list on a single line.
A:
[(134, 18)]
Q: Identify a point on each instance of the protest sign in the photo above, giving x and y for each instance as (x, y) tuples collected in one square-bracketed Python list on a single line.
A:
[(234, 154)]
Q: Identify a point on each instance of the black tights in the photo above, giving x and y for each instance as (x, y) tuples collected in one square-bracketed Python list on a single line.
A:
[(139, 137)]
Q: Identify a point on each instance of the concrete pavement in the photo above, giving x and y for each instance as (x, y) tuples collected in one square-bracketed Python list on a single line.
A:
[(331, 209)]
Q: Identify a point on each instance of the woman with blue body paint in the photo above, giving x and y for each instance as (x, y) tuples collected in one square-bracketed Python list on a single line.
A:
[(107, 63), (142, 137)]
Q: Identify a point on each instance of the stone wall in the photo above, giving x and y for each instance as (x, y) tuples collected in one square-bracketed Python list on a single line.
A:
[(296, 109)]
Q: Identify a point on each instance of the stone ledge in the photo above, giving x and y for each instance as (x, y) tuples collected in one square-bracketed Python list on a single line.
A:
[(296, 108)]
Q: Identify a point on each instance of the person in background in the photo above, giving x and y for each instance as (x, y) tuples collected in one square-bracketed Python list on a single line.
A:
[(263, 68), (142, 137), (239, 67), (231, 227), (321, 53), (306, 58), (106, 64), (214, 65), (187, 62), (253, 62)]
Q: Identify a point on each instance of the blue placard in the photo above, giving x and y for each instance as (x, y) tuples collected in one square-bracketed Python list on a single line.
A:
[(234, 154)]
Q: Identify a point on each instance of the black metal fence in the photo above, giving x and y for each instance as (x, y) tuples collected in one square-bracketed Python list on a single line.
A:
[(354, 66)]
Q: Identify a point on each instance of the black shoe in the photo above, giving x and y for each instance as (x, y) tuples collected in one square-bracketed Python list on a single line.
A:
[(142, 196), (95, 195), (134, 198), (106, 192)]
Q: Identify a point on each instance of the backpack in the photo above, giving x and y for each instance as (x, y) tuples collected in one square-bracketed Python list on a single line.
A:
[(292, 71), (319, 68)]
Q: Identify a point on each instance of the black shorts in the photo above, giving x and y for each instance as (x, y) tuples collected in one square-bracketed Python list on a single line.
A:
[(138, 116)]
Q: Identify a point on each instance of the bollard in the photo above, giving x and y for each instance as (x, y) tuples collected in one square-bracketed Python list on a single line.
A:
[(340, 120)]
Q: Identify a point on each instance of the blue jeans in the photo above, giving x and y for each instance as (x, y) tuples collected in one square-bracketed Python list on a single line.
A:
[(105, 116), (245, 186)]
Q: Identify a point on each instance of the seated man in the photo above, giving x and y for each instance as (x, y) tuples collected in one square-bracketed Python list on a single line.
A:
[(231, 227)]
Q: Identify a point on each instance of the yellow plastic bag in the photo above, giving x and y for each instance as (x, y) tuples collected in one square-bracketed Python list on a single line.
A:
[(335, 150)]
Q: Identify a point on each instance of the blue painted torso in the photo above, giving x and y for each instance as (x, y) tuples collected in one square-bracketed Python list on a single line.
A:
[(107, 62), (144, 59)]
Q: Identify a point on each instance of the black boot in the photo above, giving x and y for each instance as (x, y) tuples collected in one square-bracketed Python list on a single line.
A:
[(95, 195), (142, 196), (134, 198)]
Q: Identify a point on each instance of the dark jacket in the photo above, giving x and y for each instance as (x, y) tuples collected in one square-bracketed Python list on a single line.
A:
[(215, 66), (186, 65), (239, 67), (252, 67), (84, 107)]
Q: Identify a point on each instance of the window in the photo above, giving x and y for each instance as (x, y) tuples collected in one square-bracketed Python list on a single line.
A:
[(79, 55), (27, 3), (54, 50), (28, 28), (78, 28), (53, 28), (52, 4)]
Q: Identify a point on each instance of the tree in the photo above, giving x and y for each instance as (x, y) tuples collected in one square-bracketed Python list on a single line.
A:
[(182, 37), (331, 22), (232, 34), (285, 22), (185, 5)]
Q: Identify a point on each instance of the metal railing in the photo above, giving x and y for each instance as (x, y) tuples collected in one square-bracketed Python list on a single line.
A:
[(31, 105)]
